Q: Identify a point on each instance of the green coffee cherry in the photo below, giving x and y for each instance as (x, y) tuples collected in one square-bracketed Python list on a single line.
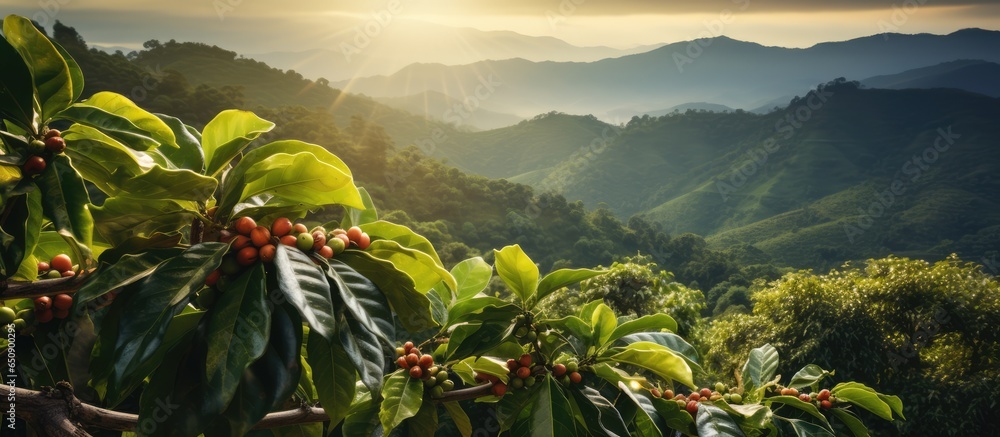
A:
[(20, 324), (430, 383), (437, 391), (737, 399), (447, 385), (441, 377), (7, 315), (529, 382), (572, 366), (516, 383), (720, 387)]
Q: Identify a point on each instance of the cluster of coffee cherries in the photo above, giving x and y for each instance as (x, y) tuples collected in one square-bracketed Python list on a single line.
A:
[(822, 399), (60, 266), (50, 144), (690, 402), (250, 242), (421, 366)]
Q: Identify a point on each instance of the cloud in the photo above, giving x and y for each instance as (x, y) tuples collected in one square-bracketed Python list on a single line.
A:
[(634, 7)]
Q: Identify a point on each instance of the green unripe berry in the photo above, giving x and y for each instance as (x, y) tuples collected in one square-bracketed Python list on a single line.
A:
[(304, 242), (448, 385), (400, 351), (36, 147), (521, 332), (720, 387), (736, 398), (206, 297), (564, 380), (335, 243), (433, 371), (442, 376), (531, 336), (430, 382), (572, 366), (53, 274), (516, 383), (20, 324), (529, 382), (727, 397), (7, 315), (26, 315), (230, 266), (437, 392)]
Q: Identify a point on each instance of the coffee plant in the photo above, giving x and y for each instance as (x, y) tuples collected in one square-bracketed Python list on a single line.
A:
[(162, 280)]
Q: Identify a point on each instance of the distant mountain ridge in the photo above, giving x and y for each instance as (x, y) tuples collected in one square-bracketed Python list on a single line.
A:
[(970, 75), (722, 71), (354, 54)]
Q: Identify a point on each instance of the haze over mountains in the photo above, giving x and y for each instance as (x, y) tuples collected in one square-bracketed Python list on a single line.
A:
[(720, 70), (816, 196), (362, 51)]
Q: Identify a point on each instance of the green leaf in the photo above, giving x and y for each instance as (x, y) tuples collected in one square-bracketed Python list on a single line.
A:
[(333, 375), (517, 271), (655, 322), (760, 367), (122, 217), (359, 216), (674, 416), (562, 278), (489, 365), (239, 323), (16, 94), (128, 270), (161, 183), (603, 322), (188, 154), (713, 422), (363, 300), (808, 375), (657, 359), (672, 341), (271, 380), (599, 414), (425, 423), (426, 273), (75, 73), (471, 339), (573, 325), (893, 402), (647, 421), (175, 391), (300, 178), (364, 350), (103, 160), (49, 71), (868, 400), (65, 200), (123, 120), (20, 230), (459, 418), (513, 404), (552, 415), (306, 288), (227, 135), (159, 297), (363, 420), (402, 398), (806, 429), (855, 425), (383, 230), (795, 402), (237, 178), (472, 276), (411, 306)]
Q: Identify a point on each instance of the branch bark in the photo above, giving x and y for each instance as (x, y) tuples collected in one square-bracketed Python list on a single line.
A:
[(57, 412), (44, 287)]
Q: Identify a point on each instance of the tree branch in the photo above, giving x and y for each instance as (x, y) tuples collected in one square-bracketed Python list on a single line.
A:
[(44, 287), (57, 412)]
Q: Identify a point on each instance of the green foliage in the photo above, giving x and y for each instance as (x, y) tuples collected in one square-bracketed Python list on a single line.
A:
[(925, 331), (636, 287), (168, 314)]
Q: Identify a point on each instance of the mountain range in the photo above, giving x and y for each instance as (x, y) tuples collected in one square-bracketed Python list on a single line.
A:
[(716, 70), (816, 195), (385, 49)]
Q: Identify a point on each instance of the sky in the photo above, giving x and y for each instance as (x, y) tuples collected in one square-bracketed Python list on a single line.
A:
[(257, 26)]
